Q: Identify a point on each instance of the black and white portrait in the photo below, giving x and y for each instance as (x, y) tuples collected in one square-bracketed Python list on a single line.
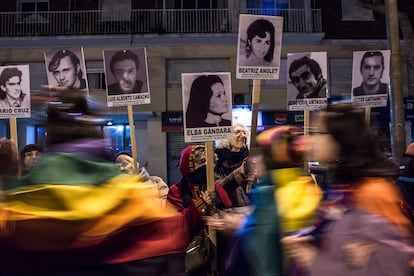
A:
[(259, 46), (15, 91), (207, 103), (66, 68), (307, 79), (126, 73), (370, 73)]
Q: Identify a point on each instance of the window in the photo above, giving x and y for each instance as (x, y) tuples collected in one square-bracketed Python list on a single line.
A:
[(410, 71), (96, 80), (340, 78), (95, 73), (119, 135), (195, 4), (34, 5), (351, 11), (267, 4), (35, 11), (120, 138), (177, 66), (119, 10)]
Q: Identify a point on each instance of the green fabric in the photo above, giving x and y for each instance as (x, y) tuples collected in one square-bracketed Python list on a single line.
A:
[(66, 169), (262, 233)]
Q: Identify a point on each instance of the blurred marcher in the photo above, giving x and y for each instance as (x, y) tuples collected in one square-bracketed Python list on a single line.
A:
[(191, 196), (29, 156), (285, 201), (231, 168), (75, 214), (125, 162), (369, 234)]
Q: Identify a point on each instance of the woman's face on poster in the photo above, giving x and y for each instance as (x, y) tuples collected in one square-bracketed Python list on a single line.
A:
[(261, 45), (218, 101)]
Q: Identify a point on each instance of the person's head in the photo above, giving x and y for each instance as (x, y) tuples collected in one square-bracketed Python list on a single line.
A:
[(238, 139), (124, 66), (372, 68), (125, 161), (10, 83), (192, 158), (283, 147), (30, 155), (261, 40), (305, 73), (207, 95), (344, 140), (66, 69)]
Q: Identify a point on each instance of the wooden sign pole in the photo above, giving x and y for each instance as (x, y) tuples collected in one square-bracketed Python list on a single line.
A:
[(209, 145), (255, 110), (13, 133), (306, 125), (133, 140)]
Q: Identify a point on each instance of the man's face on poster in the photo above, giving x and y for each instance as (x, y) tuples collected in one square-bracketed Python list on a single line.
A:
[(372, 70), (304, 80), (13, 87), (125, 73), (66, 74)]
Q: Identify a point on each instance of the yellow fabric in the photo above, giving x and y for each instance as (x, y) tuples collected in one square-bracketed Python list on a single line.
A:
[(297, 198), (77, 202), (56, 217)]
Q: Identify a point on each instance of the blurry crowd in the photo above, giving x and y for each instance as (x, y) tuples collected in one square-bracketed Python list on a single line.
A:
[(69, 207)]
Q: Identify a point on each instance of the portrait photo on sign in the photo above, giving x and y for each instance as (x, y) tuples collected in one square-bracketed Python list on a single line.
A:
[(259, 46), (370, 72), (207, 99), (307, 76), (126, 71), (14, 91), (66, 68)]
